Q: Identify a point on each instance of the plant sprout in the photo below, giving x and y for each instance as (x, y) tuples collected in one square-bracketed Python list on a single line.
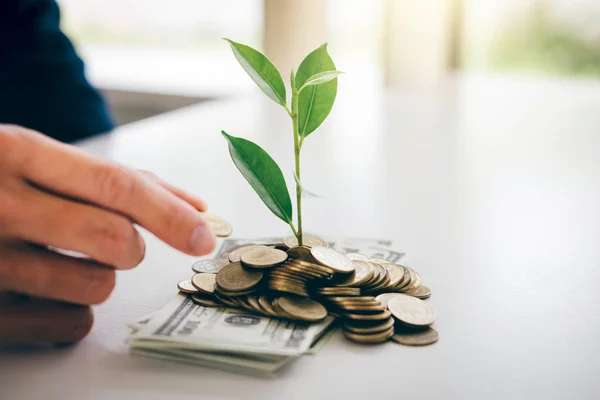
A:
[(313, 91)]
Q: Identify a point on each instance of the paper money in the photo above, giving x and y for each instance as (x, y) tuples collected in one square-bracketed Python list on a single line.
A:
[(371, 248), (189, 325), (223, 338)]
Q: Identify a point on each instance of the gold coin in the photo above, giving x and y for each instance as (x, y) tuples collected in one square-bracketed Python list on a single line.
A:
[(205, 283), (368, 329), (362, 308), (291, 289), (278, 311), (356, 308), (384, 298), (265, 303), (417, 283), (396, 273), (413, 278), (226, 293), (405, 279), (224, 299), (302, 308), (211, 266), (300, 253), (382, 284), (372, 338), (339, 291), (284, 285), (416, 338), (263, 258), (205, 301), (368, 317), (286, 280), (343, 280), (307, 240), (255, 305), (244, 303), (332, 259), (386, 275), (236, 303), (222, 262), (381, 274), (362, 274), (234, 278), (236, 254), (218, 225), (411, 310), (374, 278), (187, 287), (290, 273), (307, 264), (303, 271), (310, 266), (357, 257), (356, 299), (291, 269), (422, 292)]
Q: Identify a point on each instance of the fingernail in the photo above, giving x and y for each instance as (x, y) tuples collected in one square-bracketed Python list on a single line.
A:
[(202, 241)]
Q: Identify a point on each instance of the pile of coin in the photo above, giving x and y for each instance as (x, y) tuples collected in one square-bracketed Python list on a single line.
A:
[(376, 300), (366, 319)]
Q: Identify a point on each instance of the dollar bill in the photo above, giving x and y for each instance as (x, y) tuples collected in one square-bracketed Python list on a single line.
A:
[(215, 361), (191, 326), (138, 323), (256, 345), (371, 248)]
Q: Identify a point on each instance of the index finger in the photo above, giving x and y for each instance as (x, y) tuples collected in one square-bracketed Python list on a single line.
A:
[(197, 203), (66, 170)]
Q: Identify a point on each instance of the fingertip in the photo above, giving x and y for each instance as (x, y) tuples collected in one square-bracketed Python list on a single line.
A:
[(202, 205), (194, 201), (202, 241), (83, 320)]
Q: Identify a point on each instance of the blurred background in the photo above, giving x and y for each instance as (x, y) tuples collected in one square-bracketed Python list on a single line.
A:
[(152, 56)]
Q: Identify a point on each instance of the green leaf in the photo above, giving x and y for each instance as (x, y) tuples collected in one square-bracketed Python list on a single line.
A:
[(315, 102), (320, 78), (263, 174), (261, 70)]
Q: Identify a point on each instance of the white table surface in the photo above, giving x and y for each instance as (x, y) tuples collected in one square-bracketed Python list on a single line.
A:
[(491, 186)]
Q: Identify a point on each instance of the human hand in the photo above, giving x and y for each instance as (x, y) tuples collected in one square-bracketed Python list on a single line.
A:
[(52, 194)]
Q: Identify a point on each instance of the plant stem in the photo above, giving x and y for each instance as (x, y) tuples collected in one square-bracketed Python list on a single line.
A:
[(297, 163), (294, 229), (288, 110)]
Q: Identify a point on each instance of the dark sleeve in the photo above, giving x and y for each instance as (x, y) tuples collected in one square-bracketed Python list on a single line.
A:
[(42, 79)]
